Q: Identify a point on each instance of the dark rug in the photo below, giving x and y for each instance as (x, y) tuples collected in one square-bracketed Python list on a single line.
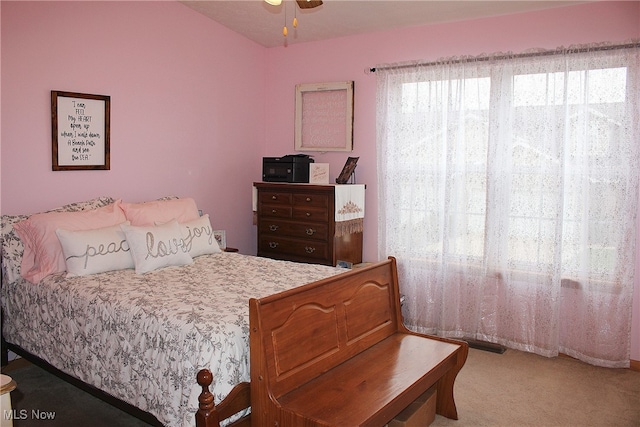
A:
[(42, 399)]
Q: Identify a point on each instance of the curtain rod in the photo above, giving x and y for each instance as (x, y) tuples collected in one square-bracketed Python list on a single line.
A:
[(578, 49)]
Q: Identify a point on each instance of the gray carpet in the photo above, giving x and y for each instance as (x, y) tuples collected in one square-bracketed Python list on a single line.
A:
[(44, 400)]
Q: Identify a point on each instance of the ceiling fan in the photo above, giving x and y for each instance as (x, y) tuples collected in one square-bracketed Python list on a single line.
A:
[(302, 4), (308, 4)]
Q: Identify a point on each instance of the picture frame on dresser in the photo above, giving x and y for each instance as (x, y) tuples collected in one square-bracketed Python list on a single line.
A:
[(348, 170)]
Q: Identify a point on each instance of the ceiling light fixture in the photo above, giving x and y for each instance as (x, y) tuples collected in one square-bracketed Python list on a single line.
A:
[(302, 4)]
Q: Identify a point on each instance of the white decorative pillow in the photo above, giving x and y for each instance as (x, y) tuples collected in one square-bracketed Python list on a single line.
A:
[(13, 247), (95, 251), (198, 237), (154, 247)]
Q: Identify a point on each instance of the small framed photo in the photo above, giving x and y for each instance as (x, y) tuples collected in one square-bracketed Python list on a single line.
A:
[(221, 238), (347, 170)]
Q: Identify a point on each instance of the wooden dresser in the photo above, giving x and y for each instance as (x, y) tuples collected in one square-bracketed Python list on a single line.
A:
[(296, 222)]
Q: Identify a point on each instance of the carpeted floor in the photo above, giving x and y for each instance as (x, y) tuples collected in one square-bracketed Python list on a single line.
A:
[(44, 400), (523, 389), (509, 389)]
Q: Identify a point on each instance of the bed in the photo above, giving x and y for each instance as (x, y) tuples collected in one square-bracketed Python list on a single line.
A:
[(141, 337)]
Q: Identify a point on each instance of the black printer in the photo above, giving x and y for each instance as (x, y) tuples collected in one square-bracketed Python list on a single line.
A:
[(289, 168)]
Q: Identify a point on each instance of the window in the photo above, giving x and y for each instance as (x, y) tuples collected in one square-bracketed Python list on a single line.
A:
[(537, 179), (503, 178)]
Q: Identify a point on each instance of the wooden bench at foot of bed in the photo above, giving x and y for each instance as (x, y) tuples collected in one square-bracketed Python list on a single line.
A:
[(336, 353)]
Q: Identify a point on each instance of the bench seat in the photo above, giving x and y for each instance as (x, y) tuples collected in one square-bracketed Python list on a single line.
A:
[(383, 376), (336, 353)]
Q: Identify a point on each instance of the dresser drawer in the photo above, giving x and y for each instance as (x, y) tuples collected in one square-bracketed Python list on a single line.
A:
[(275, 211), (311, 199), (294, 229), (308, 213), (297, 248), (272, 197)]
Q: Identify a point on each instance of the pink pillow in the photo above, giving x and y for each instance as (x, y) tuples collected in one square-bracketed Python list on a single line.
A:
[(161, 211), (42, 250)]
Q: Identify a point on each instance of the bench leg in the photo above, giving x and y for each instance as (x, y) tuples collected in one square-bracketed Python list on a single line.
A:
[(445, 403)]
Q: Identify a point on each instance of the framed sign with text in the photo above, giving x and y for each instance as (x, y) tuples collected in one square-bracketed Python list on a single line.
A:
[(80, 131), (324, 117)]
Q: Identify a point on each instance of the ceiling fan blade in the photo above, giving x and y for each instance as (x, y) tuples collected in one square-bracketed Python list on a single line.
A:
[(304, 4)]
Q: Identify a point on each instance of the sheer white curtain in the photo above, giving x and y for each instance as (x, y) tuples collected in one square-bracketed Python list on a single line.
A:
[(508, 190)]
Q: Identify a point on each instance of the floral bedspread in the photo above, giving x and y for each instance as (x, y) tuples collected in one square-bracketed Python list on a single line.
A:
[(143, 338)]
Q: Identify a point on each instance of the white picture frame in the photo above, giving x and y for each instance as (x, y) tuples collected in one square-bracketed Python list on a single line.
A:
[(324, 117)]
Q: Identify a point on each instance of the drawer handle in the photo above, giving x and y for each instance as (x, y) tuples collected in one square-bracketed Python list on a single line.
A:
[(310, 231), (308, 199), (273, 245), (273, 227), (308, 214), (274, 211), (309, 249), (274, 197)]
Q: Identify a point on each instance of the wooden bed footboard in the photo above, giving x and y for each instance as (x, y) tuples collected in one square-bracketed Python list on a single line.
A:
[(209, 414)]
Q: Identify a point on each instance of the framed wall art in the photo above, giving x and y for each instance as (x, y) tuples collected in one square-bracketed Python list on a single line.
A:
[(80, 130), (324, 117)]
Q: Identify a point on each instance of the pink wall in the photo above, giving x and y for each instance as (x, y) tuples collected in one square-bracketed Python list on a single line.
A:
[(187, 106), (347, 58), (189, 97)]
